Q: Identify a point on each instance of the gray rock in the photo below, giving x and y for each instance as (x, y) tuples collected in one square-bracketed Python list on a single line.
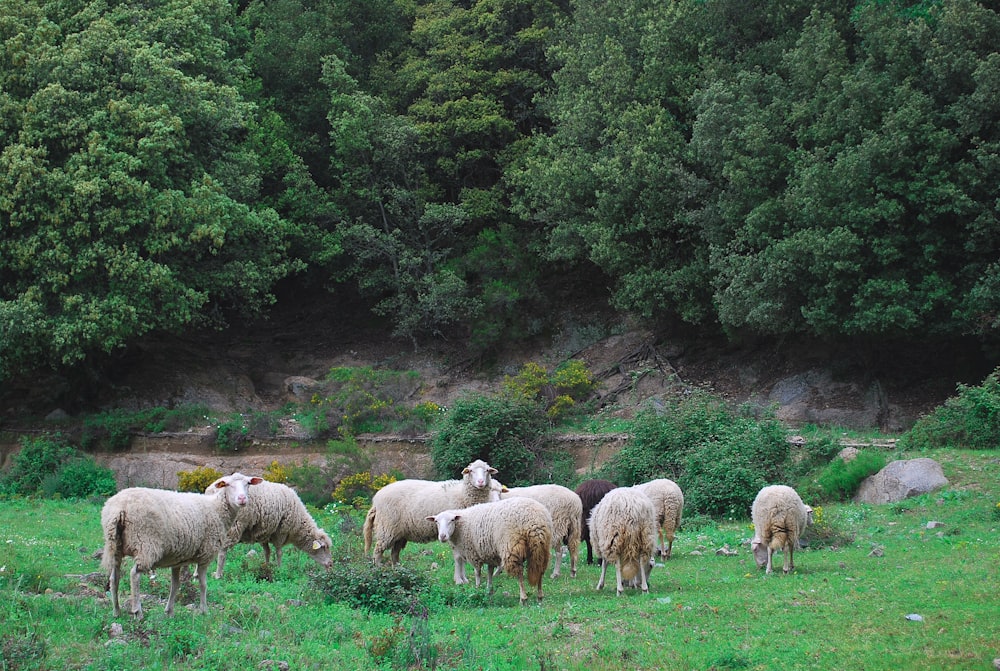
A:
[(900, 480)]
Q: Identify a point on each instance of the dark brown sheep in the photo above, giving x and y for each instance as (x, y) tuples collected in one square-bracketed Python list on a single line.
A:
[(591, 492)]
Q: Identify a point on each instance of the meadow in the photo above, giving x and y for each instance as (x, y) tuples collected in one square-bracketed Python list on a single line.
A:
[(846, 605)]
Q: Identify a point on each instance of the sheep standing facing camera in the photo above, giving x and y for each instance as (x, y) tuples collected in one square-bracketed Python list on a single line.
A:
[(514, 535), (779, 518), (399, 511), (162, 528)]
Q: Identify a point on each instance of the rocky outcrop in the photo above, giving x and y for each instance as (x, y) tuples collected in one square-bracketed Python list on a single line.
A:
[(900, 480)]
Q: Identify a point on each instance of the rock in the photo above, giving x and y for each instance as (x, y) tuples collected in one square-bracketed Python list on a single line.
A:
[(996, 663), (848, 454), (726, 551), (900, 480), (877, 551), (934, 524)]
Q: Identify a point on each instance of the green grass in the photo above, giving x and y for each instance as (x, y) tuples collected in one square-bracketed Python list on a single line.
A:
[(842, 608)]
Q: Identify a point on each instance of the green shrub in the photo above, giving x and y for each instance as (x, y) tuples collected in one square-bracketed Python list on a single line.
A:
[(231, 434), (720, 456), (508, 432), (39, 458), (841, 479), (378, 589), (80, 477), (971, 419)]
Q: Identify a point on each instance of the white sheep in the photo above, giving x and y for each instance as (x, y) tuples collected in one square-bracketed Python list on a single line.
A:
[(162, 528), (276, 515), (623, 531), (779, 518), (399, 511), (668, 500), (513, 534), (567, 513)]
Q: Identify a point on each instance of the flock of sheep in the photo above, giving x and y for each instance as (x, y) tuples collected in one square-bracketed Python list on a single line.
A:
[(515, 530)]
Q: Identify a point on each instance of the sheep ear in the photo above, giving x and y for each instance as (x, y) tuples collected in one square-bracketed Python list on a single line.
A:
[(430, 518), (317, 545), (255, 481), (493, 471), (504, 490), (220, 484), (465, 471)]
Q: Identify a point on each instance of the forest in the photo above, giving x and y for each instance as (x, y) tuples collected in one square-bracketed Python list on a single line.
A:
[(764, 168)]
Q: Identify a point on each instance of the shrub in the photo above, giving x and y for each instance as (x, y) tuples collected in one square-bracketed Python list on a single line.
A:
[(359, 488), (841, 479), (971, 419), (312, 482), (39, 458), (378, 589), (276, 472), (507, 432), (80, 477), (719, 456), (231, 434), (198, 479)]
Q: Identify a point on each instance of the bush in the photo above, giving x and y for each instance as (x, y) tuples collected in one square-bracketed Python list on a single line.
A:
[(970, 420), (39, 458), (198, 479), (378, 589), (841, 479), (80, 477), (507, 432), (719, 456), (359, 488)]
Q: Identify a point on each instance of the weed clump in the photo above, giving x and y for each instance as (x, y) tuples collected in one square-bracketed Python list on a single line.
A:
[(378, 589)]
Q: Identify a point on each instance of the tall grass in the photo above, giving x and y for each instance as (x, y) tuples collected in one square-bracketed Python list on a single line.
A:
[(844, 607)]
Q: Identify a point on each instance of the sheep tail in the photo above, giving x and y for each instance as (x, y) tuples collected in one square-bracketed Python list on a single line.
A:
[(114, 543), (366, 530), (538, 548)]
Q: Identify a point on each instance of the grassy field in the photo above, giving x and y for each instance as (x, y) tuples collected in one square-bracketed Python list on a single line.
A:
[(844, 607)]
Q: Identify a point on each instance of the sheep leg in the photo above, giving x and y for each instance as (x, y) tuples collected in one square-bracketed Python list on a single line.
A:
[(604, 567), (219, 563), (770, 552), (489, 579), (590, 551), (397, 547), (136, 606), (175, 583), (524, 594), (618, 573), (556, 558), (643, 573), (277, 555), (203, 585), (113, 581), (267, 553), (574, 553), (459, 577), (670, 548), (787, 564)]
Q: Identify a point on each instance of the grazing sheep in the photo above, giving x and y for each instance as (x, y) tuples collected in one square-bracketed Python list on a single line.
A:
[(668, 500), (162, 528), (400, 510), (623, 529), (567, 514), (276, 515), (512, 534), (591, 492), (779, 518)]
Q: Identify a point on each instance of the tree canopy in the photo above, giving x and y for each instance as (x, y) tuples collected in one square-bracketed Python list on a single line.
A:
[(751, 167)]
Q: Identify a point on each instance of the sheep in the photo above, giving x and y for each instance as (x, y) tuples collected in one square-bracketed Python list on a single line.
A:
[(162, 528), (668, 500), (623, 529), (590, 493), (567, 514), (276, 515), (399, 510), (511, 534), (779, 518)]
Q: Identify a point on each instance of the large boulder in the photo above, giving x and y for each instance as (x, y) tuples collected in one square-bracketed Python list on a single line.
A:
[(900, 480)]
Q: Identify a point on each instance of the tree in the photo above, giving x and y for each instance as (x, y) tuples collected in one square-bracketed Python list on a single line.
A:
[(127, 184)]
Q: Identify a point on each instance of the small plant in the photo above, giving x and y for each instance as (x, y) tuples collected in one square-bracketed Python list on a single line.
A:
[(232, 434), (276, 472), (80, 477), (198, 479), (379, 589), (22, 651), (971, 419), (39, 458), (841, 479), (358, 489)]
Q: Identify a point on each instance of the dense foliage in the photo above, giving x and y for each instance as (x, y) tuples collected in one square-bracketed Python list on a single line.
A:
[(826, 169), (49, 465), (970, 419)]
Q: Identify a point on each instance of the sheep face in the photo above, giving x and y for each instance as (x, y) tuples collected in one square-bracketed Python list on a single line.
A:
[(445, 524), (759, 552), (234, 487), (479, 473), (320, 550)]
